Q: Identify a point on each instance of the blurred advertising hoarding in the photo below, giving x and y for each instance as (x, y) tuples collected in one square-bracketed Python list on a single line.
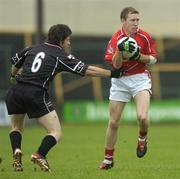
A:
[(89, 111), (165, 110)]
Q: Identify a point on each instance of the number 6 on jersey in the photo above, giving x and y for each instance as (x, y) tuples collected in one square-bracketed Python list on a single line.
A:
[(37, 62)]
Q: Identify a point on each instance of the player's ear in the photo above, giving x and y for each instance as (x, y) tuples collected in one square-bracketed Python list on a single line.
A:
[(61, 44), (123, 20)]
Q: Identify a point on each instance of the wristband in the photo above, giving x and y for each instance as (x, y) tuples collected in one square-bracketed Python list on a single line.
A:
[(152, 60)]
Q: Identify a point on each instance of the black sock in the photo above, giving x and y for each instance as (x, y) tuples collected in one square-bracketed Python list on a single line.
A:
[(47, 143), (15, 138)]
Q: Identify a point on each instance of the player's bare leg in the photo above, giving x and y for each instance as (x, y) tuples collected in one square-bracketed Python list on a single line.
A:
[(116, 109), (142, 100), (17, 122), (51, 123)]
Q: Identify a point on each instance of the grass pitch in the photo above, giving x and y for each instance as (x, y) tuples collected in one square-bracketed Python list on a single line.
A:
[(79, 153)]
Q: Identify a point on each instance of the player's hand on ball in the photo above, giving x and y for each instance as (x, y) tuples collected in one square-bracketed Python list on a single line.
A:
[(136, 55), (116, 73), (122, 45), (131, 46), (126, 45)]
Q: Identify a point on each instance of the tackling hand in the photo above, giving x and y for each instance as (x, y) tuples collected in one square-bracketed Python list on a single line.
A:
[(127, 46), (117, 73)]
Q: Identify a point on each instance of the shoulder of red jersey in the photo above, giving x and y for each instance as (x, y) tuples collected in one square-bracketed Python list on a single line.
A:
[(144, 34), (112, 45), (117, 35), (149, 40)]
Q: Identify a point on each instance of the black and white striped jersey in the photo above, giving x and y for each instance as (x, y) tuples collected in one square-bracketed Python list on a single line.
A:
[(40, 63)]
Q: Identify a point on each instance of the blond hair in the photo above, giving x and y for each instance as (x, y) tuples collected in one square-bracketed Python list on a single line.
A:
[(124, 13)]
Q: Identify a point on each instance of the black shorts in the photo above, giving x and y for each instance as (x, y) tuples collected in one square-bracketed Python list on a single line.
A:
[(24, 98)]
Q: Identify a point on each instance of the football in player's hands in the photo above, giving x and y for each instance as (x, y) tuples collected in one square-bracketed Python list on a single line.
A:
[(128, 46)]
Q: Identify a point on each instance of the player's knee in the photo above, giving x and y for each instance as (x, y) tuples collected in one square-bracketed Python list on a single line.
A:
[(114, 124), (142, 118)]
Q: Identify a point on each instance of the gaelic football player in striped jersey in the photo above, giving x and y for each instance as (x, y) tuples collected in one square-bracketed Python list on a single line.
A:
[(39, 64)]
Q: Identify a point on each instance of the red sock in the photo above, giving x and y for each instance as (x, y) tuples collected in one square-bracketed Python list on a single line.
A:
[(109, 154), (142, 134)]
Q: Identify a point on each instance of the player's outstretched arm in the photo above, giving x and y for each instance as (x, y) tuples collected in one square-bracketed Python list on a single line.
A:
[(100, 72), (14, 71)]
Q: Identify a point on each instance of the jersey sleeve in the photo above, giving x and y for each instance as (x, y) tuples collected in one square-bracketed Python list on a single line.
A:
[(110, 49), (69, 63), (19, 58), (152, 47)]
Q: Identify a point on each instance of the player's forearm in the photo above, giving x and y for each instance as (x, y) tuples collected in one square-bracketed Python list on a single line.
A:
[(148, 59), (97, 72), (117, 59), (14, 70)]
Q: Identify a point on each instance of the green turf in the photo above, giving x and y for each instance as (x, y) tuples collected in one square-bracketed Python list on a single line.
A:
[(80, 151)]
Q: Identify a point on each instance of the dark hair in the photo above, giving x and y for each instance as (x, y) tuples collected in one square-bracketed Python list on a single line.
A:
[(58, 33), (126, 11)]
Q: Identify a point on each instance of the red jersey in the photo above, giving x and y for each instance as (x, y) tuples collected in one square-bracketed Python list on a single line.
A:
[(144, 41)]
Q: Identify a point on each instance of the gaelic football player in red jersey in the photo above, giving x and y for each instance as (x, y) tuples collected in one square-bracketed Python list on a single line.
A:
[(135, 82)]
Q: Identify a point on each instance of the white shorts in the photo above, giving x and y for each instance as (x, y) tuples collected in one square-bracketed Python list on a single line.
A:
[(126, 87)]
